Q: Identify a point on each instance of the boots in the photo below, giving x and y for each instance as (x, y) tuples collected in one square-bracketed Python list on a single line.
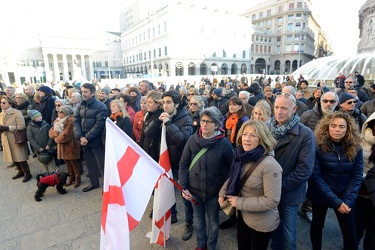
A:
[(26, 171), (77, 172), (19, 174), (71, 179), (78, 181)]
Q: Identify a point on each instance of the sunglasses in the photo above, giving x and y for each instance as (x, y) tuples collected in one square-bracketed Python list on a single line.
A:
[(193, 104), (57, 105), (348, 82), (351, 102), (329, 101), (287, 95)]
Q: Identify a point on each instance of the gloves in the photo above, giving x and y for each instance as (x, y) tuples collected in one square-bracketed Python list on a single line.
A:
[(4, 128)]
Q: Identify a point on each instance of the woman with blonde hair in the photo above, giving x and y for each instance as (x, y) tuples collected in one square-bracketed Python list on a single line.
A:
[(337, 176), (196, 105), (257, 200), (120, 117), (262, 111)]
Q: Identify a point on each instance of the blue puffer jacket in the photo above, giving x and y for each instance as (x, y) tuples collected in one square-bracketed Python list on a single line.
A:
[(211, 170), (335, 179), (89, 122)]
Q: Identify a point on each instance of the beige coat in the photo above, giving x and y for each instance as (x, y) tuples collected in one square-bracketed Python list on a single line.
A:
[(260, 195), (13, 152)]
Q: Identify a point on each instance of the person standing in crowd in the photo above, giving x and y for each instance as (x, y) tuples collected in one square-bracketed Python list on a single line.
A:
[(120, 117), (203, 180), (219, 101), (47, 103), (184, 96), (58, 104), (322, 84), (68, 147), (23, 105), (135, 96), (139, 120), (104, 98), (295, 152), (75, 101), (126, 99), (268, 95), (255, 89), (10, 121), (339, 82), (347, 105), (10, 91), (88, 124), (314, 99), (30, 92), (351, 82), (301, 107), (145, 87), (304, 86), (256, 202), (196, 105), (262, 111), (244, 96), (360, 79), (115, 93), (37, 135), (337, 177)]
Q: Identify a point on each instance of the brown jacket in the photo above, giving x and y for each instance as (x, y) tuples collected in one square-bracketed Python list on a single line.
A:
[(68, 147), (13, 152)]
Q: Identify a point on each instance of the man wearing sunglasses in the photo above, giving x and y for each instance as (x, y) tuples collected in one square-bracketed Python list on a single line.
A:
[(347, 105), (351, 82)]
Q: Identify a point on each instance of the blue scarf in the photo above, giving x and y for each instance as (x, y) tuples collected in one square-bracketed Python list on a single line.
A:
[(278, 131), (240, 158)]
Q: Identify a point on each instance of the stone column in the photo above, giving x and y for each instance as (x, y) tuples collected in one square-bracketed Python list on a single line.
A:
[(47, 70), (91, 73), (66, 68), (56, 68), (83, 66)]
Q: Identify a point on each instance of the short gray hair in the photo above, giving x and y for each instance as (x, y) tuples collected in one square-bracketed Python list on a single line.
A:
[(244, 92), (290, 90), (214, 113)]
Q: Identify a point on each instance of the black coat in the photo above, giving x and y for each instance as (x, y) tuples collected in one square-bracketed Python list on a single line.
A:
[(150, 138), (89, 122), (47, 105)]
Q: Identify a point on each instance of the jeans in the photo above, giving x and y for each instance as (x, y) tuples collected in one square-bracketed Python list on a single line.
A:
[(248, 238), (189, 212), (94, 162), (210, 206), (346, 222), (284, 237)]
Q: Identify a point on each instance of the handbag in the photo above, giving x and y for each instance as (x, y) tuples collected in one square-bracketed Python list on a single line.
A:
[(20, 136), (226, 206)]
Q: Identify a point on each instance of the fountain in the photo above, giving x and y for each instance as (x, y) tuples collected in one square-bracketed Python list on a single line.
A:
[(327, 68)]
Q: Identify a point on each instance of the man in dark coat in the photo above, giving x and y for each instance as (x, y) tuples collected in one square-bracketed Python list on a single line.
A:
[(47, 103), (88, 124), (360, 79)]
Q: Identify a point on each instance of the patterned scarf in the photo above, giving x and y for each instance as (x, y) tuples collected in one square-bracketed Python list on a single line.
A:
[(231, 124), (240, 158), (278, 131)]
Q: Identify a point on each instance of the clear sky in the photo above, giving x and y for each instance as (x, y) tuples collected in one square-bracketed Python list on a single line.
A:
[(23, 18)]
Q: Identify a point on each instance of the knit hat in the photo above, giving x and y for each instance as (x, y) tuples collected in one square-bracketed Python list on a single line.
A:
[(33, 113), (230, 84), (345, 96), (218, 91), (46, 90), (106, 90), (67, 110)]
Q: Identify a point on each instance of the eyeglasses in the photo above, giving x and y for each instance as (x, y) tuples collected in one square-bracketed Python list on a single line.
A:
[(287, 95), (57, 105), (191, 94), (193, 104), (60, 112), (351, 102), (206, 121), (348, 82), (329, 101)]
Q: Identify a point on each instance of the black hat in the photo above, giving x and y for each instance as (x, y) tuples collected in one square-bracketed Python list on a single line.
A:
[(345, 96)]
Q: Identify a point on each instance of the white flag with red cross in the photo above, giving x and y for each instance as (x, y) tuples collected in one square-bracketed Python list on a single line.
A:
[(129, 178)]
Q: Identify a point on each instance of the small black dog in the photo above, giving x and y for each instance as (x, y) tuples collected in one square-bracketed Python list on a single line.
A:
[(58, 179)]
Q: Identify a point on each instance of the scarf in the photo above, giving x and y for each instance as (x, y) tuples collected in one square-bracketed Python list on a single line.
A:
[(231, 124), (279, 131), (114, 116), (240, 158), (39, 124), (59, 124)]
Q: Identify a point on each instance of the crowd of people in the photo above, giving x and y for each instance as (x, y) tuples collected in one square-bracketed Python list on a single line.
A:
[(272, 151)]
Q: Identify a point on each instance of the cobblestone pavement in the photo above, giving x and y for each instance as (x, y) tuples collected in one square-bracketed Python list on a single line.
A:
[(72, 221)]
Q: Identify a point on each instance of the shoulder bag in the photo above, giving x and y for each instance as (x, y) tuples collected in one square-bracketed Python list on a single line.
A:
[(20, 136), (227, 207)]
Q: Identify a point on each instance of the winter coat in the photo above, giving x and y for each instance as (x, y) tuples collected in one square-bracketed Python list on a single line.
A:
[(260, 195), (195, 119), (150, 138), (47, 105), (297, 162), (135, 103), (89, 122), (311, 118), (124, 124), (359, 118), (368, 108), (38, 136), (335, 179), (68, 147), (211, 170), (254, 99), (178, 129), (24, 107), (370, 184), (368, 140), (238, 126), (221, 104), (13, 152), (131, 114), (138, 124)]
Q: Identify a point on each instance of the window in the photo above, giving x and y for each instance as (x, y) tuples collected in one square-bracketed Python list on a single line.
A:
[(269, 49), (289, 28), (299, 4), (288, 47), (298, 16), (159, 52), (268, 12), (298, 26), (214, 54), (257, 38), (296, 47), (154, 53), (290, 17), (144, 55), (252, 47), (269, 39), (261, 48), (303, 26), (268, 22), (260, 14), (277, 48), (244, 54), (289, 38), (224, 53), (253, 17), (279, 29), (149, 54), (291, 6), (234, 55), (279, 20), (280, 9), (256, 48), (165, 50), (260, 24), (278, 39)]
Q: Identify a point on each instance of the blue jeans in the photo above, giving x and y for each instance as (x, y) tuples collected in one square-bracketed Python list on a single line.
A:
[(284, 237), (189, 212), (210, 207)]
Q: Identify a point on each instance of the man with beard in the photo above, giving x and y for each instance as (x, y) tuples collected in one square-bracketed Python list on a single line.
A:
[(104, 98), (328, 104), (88, 124)]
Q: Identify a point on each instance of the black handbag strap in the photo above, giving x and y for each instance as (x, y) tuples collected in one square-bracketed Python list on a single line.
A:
[(251, 170)]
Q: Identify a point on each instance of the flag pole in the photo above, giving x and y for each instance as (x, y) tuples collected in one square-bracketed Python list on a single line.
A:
[(180, 188), (165, 243)]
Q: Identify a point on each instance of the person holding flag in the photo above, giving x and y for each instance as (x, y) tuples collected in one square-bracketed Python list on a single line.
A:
[(204, 168)]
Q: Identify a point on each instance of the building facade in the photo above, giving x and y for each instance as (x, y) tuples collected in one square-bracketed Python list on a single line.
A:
[(367, 27), (286, 35), (177, 40)]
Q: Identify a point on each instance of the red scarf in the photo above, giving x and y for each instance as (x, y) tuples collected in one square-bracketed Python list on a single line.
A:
[(114, 116)]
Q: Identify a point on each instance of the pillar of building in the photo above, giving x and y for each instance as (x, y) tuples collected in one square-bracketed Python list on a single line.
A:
[(66, 68), (56, 68), (47, 70), (83, 66), (91, 73)]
